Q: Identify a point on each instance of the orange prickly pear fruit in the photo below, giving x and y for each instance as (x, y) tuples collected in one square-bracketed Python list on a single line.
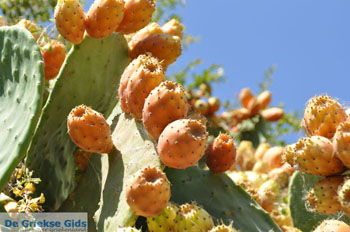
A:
[(89, 130), (201, 106), (332, 226), (341, 141), (54, 54), (246, 96), (140, 77), (149, 192), (70, 20), (103, 17), (30, 26), (313, 155), (344, 196), (245, 158), (273, 157), (165, 104), (261, 149), (137, 15), (253, 107), (263, 99), (322, 116), (281, 175), (173, 27), (272, 114), (221, 154), (240, 115), (81, 159), (182, 143), (152, 39), (213, 105), (323, 197), (2, 21)]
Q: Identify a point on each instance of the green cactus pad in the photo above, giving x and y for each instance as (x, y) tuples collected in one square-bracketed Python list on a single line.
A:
[(90, 75), (221, 197), (137, 152), (21, 88), (86, 196), (303, 218)]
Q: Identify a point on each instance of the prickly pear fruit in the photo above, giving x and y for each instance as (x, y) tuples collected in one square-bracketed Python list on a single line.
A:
[(240, 115), (165, 104), (323, 197), (143, 75), (192, 218), (263, 99), (221, 153), (89, 130), (173, 27), (81, 159), (246, 96), (341, 141), (137, 15), (332, 226), (128, 229), (69, 19), (165, 221), (182, 143), (272, 114), (261, 167), (223, 228), (213, 105), (281, 175), (152, 39), (149, 193), (268, 193), (54, 54), (103, 17), (313, 155), (290, 229), (201, 106), (344, 196), (322, 116), (2, 21), (30, 26), (261, 149), (245, 158), (273, 157)]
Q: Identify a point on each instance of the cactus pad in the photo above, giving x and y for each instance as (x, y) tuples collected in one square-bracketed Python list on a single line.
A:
[(303, 218), (221, 197), (21, 89), (90, 76)]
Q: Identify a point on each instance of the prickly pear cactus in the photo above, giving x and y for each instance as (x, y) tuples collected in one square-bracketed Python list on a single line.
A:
[(221, 197), (136, 152), (21, 90), (303, 218), (90, 76)]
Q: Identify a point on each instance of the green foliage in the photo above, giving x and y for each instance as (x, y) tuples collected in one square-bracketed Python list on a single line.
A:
[(213, 74), (221, 197), (137, 151), (303, 217), (37, 10), (288, 124), (90, 75), (21, 90), (165, 10)]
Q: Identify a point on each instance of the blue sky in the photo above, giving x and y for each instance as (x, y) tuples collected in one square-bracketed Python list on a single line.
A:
[(307, 40)]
